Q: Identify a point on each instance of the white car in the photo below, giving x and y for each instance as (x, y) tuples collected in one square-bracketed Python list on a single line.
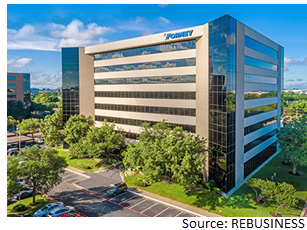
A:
[(61, 210), (44, 211), (21, 181)]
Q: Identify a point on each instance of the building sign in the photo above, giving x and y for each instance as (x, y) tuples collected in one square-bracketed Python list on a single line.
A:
[(178, 35)]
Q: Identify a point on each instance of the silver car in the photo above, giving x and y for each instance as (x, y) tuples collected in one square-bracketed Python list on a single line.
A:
[(61, 210), (44, 211)]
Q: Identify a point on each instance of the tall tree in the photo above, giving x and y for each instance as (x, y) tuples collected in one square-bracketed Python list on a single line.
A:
[(17, 110), (51, 128), (30, 125), (76, 128), (11, 122), (292, 139), (12, 174), (41, 169), (168, 154)]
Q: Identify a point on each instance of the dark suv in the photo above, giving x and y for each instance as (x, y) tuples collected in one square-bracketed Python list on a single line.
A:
[(117, 189)]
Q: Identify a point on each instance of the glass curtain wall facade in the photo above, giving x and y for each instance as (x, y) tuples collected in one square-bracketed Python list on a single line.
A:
[(70, 82), (26, 88), (222, 101)]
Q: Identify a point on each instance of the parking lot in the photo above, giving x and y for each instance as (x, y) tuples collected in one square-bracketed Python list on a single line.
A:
[(96, 203)]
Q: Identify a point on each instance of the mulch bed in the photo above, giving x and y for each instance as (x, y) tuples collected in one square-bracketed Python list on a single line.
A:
[(297, 174), (258, 202), (14, 211), (284, 163), (278, 214), (31, 204)]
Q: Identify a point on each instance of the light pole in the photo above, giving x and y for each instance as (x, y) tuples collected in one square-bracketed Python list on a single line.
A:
[(19, 138)]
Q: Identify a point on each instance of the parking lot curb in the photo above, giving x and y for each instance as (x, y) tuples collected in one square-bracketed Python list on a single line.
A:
[(168, 201)]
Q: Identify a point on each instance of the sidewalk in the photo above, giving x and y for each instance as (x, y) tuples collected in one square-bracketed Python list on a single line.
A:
[(304, 211)]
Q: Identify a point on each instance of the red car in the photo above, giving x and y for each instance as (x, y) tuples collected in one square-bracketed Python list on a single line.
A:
[(74, 214)]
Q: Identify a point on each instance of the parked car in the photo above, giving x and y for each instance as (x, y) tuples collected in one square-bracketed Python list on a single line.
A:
[(117, 189), (61, 210), (12, 153), (44, 211), (21, 181), (74, 214), (23, 194)]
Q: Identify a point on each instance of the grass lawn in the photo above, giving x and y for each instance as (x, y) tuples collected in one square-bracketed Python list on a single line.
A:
[(82, 163), (238, 204), (31, 209)]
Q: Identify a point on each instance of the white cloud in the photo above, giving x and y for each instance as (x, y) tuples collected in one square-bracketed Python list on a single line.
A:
[(19, 63), (290, 62), (162, 5), (40, 79), (52, 36), (164, 20)]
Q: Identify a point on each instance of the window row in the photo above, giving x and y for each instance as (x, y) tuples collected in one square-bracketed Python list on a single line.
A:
[(255, 45), (126, 121), (160, 95), (147, 65), (253, 163), (147, 80), (169, 47), (259, 125), (259, 94), (148, 109), (11, 84), (258, 110), (11, 78), (260, 64), (251, 78), (258, 141), (11, 90)]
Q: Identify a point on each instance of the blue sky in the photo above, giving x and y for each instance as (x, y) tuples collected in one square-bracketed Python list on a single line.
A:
[(36, 33)]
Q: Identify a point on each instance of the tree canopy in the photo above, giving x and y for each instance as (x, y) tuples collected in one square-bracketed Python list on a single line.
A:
[(41, 168), (163, 153), (30, 125)]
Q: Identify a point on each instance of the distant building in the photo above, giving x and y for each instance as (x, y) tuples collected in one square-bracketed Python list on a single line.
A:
[(34, 90), (59, 89), (18, 87)]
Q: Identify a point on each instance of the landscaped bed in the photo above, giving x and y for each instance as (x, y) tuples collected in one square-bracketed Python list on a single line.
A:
[(29, 209), (240, 203)]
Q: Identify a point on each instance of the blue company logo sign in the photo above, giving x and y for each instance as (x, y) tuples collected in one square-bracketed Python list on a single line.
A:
[(178, 35)]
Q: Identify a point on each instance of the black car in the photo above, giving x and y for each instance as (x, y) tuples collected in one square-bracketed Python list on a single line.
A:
[(117, 189), (23, 194)]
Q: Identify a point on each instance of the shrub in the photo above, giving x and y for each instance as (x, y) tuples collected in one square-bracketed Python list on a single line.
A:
[(129, 173), (20, 208), (216, 190), (211, 185), (112, 161), (141, 183)]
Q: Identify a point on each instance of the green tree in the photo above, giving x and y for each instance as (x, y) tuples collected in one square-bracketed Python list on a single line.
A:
[(51, 128), (292, 139), (168, 154), (12, 175), (41, 169), (76, 128), (284, 196), (262, 188), (104, 142), (11, 122), (30, 125), (17, 110)]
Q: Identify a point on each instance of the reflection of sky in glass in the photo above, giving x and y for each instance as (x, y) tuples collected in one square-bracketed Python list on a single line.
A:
[(147, 65), (169, 47)]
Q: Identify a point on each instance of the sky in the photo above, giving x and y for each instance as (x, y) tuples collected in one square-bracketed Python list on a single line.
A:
[(36, 33)]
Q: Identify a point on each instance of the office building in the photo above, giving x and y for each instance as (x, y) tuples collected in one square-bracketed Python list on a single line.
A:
[(221, 80), (18, 87)]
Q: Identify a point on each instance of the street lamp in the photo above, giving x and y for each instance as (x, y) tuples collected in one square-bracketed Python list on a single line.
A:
[(19, 137)]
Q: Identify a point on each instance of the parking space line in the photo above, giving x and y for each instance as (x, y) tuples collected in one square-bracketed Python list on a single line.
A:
[(162, 212), (127, 200), (73, 178), (149, 207), (77, 173), (70, 174), (150, 198), (118, 196), (178, 214), (107, 200), (138, 203)]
